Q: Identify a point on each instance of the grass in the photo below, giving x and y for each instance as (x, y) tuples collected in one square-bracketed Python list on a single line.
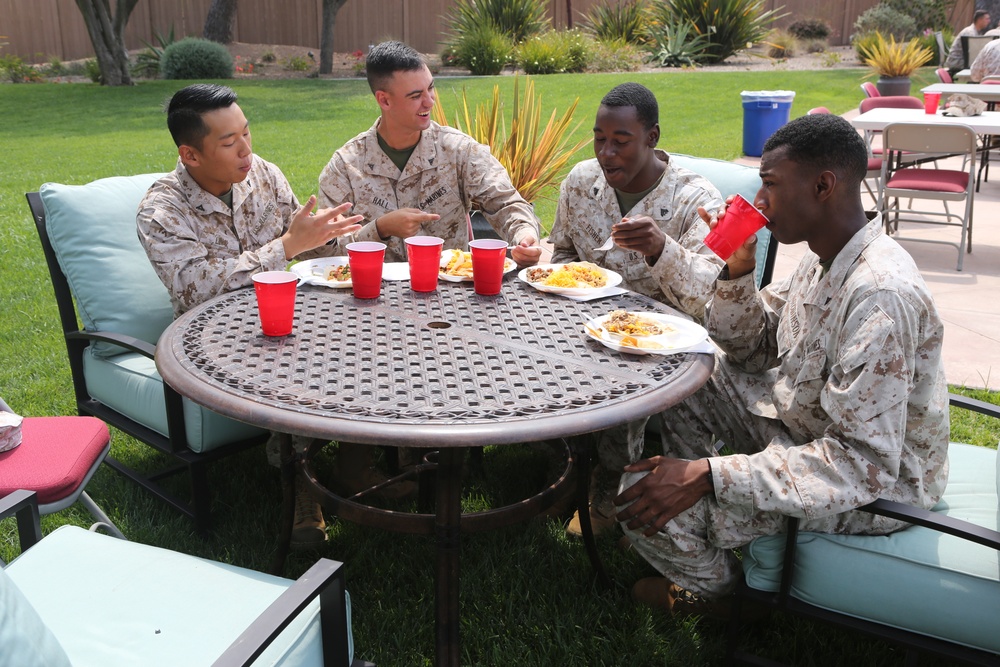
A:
[(527, 591)]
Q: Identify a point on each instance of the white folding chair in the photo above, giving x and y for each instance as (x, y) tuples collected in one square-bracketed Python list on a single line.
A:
[(943, 185)]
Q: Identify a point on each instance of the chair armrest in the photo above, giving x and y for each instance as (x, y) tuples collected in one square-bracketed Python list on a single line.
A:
[(974, 405), (939, 522), (123, 340), (324, 579), (24, 505)]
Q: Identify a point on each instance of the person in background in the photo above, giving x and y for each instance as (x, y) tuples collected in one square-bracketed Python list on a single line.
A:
[(223, 215), (632, 193), (980, 22), (409, 176), (828, 388), (987, 63)]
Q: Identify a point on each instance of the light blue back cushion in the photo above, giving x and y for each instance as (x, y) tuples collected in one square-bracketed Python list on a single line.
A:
[(25, 641), (92, 230), (729, 178), (926, 581)]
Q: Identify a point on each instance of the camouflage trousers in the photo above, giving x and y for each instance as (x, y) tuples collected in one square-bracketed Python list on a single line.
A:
[(272, 447), (694, 550)]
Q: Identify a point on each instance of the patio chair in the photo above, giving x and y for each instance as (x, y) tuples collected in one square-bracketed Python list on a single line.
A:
[(56, 459), (943, 75), (82, 598), (942, 53), (933, 587), (971, 46), (870, 90), (102, 277), (928, 183)]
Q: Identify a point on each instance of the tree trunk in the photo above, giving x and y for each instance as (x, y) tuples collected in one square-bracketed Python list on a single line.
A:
[(330, 9), (569, 14), (219, 22), (107, 34)]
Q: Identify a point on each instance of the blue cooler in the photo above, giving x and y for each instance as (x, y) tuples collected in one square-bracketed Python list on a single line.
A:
[(764, 111)]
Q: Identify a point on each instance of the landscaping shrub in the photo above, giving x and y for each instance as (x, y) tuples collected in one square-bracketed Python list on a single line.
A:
[(810, 29), (728, 26), (16, 70), (926, 14), (782, 44), (615, 56), (676, 45), (92, 69), (196, 58), (886, 20), (554, 52), (516, 20), (147, 62), (611, 21), (297, 64), (483, 50)]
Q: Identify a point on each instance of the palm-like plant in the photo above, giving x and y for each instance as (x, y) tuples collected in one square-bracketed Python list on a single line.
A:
[(517, 19), (727, 25), (677, 46), (534, 156), (609, 21), (889, 58)]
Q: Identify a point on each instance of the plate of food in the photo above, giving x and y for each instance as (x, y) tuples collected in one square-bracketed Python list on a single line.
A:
[(328, 271), (573, 279), (456, 265), (645, 333)]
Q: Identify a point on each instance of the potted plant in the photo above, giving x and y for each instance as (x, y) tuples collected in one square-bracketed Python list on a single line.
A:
[(894, 62), (533, 155)]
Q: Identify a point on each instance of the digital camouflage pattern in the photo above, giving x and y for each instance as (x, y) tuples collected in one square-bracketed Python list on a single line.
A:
[(449, 173), (200, 248), (987, 63), (832, 393), (683, 276)]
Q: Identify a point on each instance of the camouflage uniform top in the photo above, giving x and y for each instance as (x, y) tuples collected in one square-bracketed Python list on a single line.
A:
[(987, 63), (684, 274), (850, 362), (199, 248), (449, 173), (955, 59)]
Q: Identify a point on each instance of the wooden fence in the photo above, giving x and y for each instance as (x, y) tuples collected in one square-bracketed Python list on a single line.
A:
[(36, 30)]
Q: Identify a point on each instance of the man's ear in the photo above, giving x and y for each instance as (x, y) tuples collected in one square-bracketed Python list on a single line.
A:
[(189, 156), (383, 100), (654, 135), (826, 182)]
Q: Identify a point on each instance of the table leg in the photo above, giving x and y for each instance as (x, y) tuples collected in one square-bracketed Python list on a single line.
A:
[(584, 451), (287, 517), (447, 529)]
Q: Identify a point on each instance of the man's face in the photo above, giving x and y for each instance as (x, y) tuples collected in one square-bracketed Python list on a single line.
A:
[(623, 147), (786, 195), (225, 155), (407, 99), (983, 22)]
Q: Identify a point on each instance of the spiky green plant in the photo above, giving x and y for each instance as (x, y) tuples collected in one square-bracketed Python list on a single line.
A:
[(890, 58), (610, 21), (677, 45), (728, 25), (516, 19)]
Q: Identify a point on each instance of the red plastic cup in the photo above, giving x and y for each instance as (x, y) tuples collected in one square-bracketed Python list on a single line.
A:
[(424, 256), (931, 101), (275, 301), (740, 221), (488, 256), (365, 258)]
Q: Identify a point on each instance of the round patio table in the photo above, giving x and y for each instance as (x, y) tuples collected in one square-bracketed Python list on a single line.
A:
[(447, 370)]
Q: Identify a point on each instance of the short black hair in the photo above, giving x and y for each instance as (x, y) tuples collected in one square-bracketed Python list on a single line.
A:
[(824, 141), (980, 13), (387, 58), (185, 109), (635, 95)]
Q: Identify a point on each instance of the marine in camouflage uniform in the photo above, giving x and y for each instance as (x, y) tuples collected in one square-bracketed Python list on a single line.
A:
[(449, 173), (831, 391), (200, 248), (683, 276)]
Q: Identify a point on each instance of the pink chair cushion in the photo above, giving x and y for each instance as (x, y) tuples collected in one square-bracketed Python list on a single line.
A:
[(54, 456), (874, 164), (930, 180)]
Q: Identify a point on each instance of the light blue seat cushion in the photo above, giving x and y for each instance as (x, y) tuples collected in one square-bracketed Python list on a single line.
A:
[(130, 384), (114, 603), (93, 233), (730, 178), (25, 641), (929, 582)]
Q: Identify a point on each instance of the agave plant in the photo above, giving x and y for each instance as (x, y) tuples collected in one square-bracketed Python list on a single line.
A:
[(728, 25), (677, 46), (534, 156), (889, 58), (147, 62)]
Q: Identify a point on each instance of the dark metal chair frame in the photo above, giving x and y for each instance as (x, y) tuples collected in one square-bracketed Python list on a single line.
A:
[(325, 579), (913, 642), (175, 445)]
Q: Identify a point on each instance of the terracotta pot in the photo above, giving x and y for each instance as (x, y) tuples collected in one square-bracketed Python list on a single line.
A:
[(893, 85)]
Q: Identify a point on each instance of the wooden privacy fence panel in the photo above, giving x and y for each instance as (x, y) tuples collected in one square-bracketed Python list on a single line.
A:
[(36, 30)]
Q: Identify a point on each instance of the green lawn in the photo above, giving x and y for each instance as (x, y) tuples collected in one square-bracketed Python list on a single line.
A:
[(527, 592)]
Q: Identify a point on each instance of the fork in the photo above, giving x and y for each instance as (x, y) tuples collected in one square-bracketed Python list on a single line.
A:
[(606, 245)]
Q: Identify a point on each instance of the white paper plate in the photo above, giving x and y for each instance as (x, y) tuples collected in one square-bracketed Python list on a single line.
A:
[(313, 271), (508, 266), (613, 280), (684, 335)]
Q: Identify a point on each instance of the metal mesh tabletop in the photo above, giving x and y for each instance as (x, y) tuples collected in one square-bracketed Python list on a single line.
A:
[(444, 368)]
